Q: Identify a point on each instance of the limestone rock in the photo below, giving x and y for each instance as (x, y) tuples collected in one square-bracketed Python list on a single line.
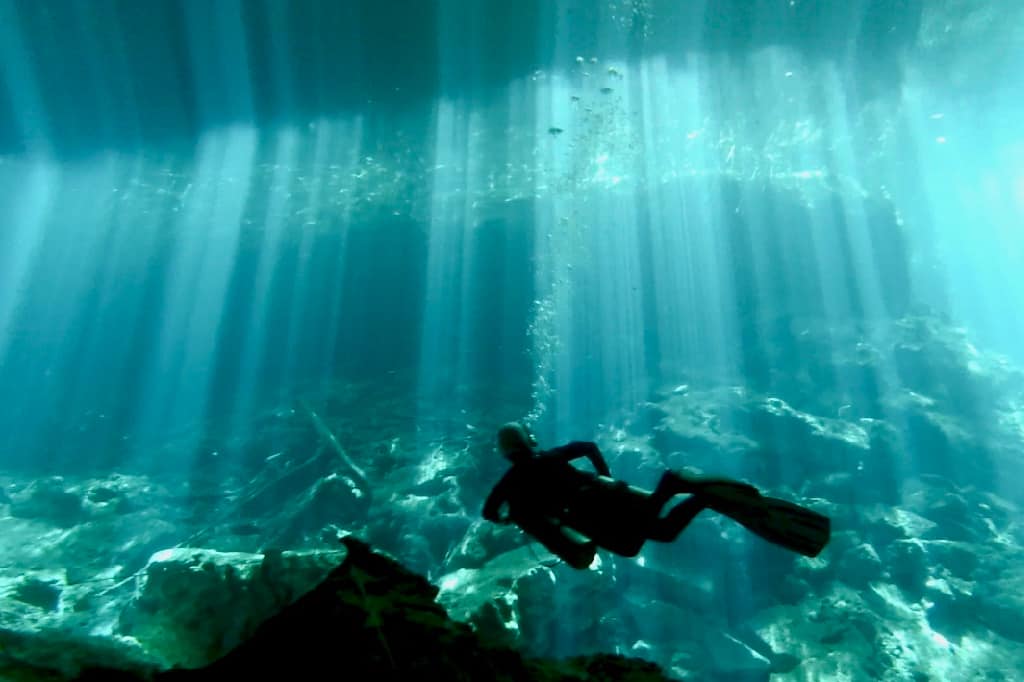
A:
[(194, 605), (48, 500), (373, 619), (861, 565)]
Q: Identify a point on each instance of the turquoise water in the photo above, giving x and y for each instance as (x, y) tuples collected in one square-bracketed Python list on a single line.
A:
[(271, 272)]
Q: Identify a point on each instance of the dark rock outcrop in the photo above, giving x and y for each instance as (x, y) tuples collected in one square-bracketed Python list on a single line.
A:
[(371, 618)]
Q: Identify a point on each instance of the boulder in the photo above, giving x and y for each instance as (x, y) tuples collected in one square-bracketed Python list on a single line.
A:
[(371, 618), (194, 605)]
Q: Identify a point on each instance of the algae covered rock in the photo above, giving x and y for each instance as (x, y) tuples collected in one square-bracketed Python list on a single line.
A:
[(48, 500), (194, 605), (371, 618)]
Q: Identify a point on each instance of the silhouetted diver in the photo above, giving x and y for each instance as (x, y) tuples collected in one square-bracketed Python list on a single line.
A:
[(574, 512)]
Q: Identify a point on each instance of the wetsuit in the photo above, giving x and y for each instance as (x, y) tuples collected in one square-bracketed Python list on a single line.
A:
[(572, 512), (546, 495)]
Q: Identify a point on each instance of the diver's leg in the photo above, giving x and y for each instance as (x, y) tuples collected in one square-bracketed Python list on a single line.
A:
[(675, 482), (706, 492), (672, 483), (783, 523), (667, 528), (568, 545)]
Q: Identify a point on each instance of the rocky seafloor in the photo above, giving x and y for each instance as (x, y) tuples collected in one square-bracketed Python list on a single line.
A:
[(906, 435)]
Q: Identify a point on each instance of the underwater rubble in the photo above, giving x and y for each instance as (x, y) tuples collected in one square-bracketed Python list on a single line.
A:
[(145, 573)]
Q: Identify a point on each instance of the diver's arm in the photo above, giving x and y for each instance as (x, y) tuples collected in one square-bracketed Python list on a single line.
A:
[(498, 497), (577, 449), (597, 459)]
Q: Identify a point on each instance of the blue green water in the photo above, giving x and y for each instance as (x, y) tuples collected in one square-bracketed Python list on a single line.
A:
[(775, 240)]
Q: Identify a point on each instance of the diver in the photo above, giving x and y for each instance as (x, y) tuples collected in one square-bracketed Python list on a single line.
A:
[(573, 512)]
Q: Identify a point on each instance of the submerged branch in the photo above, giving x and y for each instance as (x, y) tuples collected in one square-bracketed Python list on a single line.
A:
[(325, 432)]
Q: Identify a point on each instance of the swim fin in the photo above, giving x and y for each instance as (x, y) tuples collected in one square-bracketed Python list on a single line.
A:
[(780, 522)]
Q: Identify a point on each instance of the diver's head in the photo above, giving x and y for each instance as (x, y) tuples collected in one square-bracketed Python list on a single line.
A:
[(515, 441)]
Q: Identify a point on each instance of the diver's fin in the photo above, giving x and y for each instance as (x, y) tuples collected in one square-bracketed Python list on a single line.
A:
[(780, 522)]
